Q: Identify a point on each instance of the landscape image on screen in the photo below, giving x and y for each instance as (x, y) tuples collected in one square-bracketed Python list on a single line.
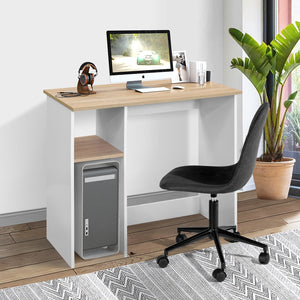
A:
[(131, 52)]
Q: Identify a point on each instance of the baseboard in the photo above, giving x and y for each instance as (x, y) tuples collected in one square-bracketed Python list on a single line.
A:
[(138, 209), (21, 217), (157, 197), (141, 208), (162, 207)]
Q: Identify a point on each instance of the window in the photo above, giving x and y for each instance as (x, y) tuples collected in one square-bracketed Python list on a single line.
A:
[(288, 11)]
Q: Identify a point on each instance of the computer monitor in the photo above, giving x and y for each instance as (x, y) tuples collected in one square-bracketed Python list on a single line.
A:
[(138, 55)]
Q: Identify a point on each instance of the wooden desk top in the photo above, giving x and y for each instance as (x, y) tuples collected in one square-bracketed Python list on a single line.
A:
[(116, 95)]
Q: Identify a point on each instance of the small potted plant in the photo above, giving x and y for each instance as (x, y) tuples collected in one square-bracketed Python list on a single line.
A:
[(273, 172)]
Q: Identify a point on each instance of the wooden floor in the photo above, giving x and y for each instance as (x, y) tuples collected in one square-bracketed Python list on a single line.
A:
[(26, 256)]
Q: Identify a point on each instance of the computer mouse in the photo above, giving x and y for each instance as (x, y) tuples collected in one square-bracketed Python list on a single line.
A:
[(178, 87)]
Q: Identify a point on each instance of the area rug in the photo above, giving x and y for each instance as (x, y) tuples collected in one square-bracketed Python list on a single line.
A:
[(188, 276)]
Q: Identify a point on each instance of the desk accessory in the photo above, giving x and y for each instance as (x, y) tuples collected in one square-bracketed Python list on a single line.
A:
[(201, 77), (68, 94), (85, 78), (208, 76), (152, 90), (195, 68), (180, 72)]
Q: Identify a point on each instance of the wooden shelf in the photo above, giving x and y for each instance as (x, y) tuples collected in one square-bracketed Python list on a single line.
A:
[(92, 147)]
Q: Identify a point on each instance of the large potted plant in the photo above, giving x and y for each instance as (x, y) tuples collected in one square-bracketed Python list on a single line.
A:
[(273, 172)]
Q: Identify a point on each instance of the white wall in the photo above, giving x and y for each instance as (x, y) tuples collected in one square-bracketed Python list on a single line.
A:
[(247, 16), (233, 17), (252, 24), (43, 43)]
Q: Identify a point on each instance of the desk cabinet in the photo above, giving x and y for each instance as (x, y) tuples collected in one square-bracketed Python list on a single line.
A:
[(101, 127)]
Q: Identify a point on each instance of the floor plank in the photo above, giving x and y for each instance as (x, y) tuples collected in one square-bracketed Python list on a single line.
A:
[(46, 277), (272, 210), (150, 246), (295, 217), (5, 239), (13, 228), (163, 223), (30, 258), (26, 256), (162, 232), (34, 270), (38, 224), (111, 264), (29, 235), (79, 262), (260, 203), (25, 247), (247, 195)]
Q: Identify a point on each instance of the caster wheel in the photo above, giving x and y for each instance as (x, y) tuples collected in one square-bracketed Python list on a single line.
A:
[(219, 275), (162, 261), (264, 258), (180, 237)]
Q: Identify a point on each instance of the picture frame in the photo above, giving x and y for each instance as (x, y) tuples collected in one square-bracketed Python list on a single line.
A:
[(180, 72)]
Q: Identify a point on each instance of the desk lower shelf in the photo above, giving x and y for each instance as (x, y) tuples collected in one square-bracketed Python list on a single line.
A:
[(92, 147)]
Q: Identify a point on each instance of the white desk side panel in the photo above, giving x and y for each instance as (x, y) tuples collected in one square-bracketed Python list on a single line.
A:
[(60, 181), (218, 147)]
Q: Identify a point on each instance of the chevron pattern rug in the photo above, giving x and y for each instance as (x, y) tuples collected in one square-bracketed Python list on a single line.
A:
[(188, 276)]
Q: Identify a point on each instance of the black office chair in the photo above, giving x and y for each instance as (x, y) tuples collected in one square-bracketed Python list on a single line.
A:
[(218, 180)]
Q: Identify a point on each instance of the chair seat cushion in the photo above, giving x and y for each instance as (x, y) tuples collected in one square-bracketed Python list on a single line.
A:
[(199, 179)]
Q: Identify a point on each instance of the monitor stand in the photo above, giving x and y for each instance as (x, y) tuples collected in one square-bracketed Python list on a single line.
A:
[(135, 84)]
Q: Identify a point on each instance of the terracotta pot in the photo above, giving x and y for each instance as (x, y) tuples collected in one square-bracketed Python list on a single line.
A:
[(273, 179)]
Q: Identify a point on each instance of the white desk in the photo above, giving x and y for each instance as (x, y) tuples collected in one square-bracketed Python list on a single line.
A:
[(75, 125)]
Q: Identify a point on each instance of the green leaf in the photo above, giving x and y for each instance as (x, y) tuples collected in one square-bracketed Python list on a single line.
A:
[(259, 54), (288, 103), (284, 43), (293, 96), (291, 64), (271, 55), (248, 69), (290, 100)]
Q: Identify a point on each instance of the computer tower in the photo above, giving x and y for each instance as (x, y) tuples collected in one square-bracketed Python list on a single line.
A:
[(96, 210)]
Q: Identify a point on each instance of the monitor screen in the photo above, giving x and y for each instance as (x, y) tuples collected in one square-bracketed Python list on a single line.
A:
[(132, 52)]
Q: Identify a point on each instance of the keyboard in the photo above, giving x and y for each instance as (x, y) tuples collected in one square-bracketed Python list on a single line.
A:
[(151, 90)]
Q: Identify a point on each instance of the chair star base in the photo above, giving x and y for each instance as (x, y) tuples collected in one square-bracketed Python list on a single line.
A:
[(213, 231)]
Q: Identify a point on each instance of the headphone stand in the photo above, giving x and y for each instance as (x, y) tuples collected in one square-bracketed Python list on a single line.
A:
[(84, 89)]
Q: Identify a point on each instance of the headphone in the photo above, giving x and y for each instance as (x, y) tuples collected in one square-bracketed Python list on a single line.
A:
[(87, 78)]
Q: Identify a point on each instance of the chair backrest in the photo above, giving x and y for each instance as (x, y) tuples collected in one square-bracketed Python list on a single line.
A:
[(245, 166)]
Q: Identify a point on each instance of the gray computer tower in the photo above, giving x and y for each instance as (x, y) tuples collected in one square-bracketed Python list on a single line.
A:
[(96, 210)]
